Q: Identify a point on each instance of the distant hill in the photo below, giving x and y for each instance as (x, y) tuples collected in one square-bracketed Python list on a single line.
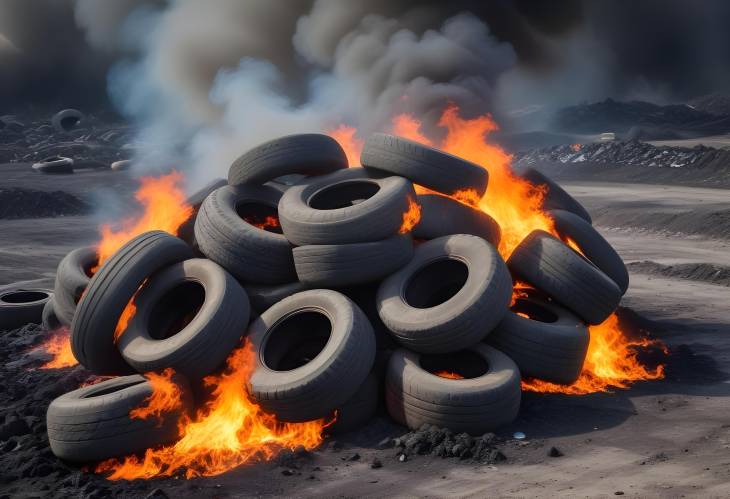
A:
[(716, 103)]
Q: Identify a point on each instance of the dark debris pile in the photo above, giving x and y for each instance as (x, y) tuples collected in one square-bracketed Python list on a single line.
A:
[(30, 203)]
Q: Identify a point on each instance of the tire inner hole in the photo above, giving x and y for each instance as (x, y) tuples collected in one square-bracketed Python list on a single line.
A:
[(263, 216), (69, 122), (436, 283), (296, 340), (24, 296), (175, 310), (533, 311), (343, 194), (112, 389), (464, 364)]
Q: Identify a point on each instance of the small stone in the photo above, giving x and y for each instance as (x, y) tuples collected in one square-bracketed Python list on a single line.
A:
[(618, 493), (555, 452), (402, 458), (377, 463), (287, 472), (354, 457)]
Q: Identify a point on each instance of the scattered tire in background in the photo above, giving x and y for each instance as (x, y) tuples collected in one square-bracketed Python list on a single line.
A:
[(122, 165), (66, 120), (21, 306), (54, 165)]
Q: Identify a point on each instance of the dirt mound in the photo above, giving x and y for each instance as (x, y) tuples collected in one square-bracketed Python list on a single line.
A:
[(705, 272), (28, 203)]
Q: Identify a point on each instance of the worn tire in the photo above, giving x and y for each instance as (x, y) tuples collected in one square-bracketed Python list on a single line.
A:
[(263, 296), (206, 340), (466, 270), (109, 292), (481, 402), (250, 253), (443, 216), (121, 165), (555, 198), (186, 231), (593, 245), (93, 422), (423, 165), (550, 344), (72, 278), (295, 329), (321, 211), (66, 120), (54, 165), (549, 265), (49, 321), (21, 306), (359, 409), (306, 154), (335, 265)]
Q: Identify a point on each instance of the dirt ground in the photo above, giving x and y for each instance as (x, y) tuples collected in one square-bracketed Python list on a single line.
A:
[(668, 438)]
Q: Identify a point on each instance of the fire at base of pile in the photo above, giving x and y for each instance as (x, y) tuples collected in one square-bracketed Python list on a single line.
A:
[(393, 280)]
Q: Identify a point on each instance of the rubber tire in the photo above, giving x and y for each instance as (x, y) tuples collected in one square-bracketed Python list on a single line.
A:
[(461, 321), (423, 165), (55, 165), (359, 409), (316, 389), (550, 351), (415, 397), (109, 292), (593, 245), (71, 281), (249, 253), (49, 321), (15, 315), (306, 154), (121, 165), (550, 266), (335, 265), (443, 216), (264, 296), (206, 341), (60, 117), (186, 231), (83, 427), (373, 219), (556, 198)]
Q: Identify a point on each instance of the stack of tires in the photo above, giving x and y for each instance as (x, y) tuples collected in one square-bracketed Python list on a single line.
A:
[(342, 305)]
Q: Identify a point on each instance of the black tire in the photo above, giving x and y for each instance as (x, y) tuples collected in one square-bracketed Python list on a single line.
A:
[(549, 344), (550, 266), (556, 198), (162, 332), (359, 409), (55, 165), (451, 294), (592, 245), (66, 120), (263, 296), (306, 154), (250, 253), (321, 325), (20, 306), (350, 206), (72, 277), (49, 321), (93, 422), (423, 165), (186, 231), (109, 292), (335, 265), (443, 216), (486, 398)]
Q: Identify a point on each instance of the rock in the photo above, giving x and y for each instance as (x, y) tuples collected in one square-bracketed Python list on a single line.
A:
[(376, 464), (555, 452), (287, 472)]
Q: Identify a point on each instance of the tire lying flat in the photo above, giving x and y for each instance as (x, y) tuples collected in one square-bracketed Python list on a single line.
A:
[(335, 265), (21, 306), (109, 292), (443, 216), (93, 422), (547, 342), (250, 253), (54, 165), (592, 245), (313, 351), (350, 206), (556, 198), (487, 397), (206, 340), (450, 295), (306, 154), (549, 265), (72, 277)]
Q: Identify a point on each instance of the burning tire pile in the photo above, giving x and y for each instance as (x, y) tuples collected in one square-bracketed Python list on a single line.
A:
[(351, 286)]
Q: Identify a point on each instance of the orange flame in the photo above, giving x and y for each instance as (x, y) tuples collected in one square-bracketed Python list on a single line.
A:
[(352, 145), (519, 290), (166, 396), (58, 345), (448, 374), (576, 147), (229, 431), (610, 363), (269, 222), (411, 217), (573, 245)]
